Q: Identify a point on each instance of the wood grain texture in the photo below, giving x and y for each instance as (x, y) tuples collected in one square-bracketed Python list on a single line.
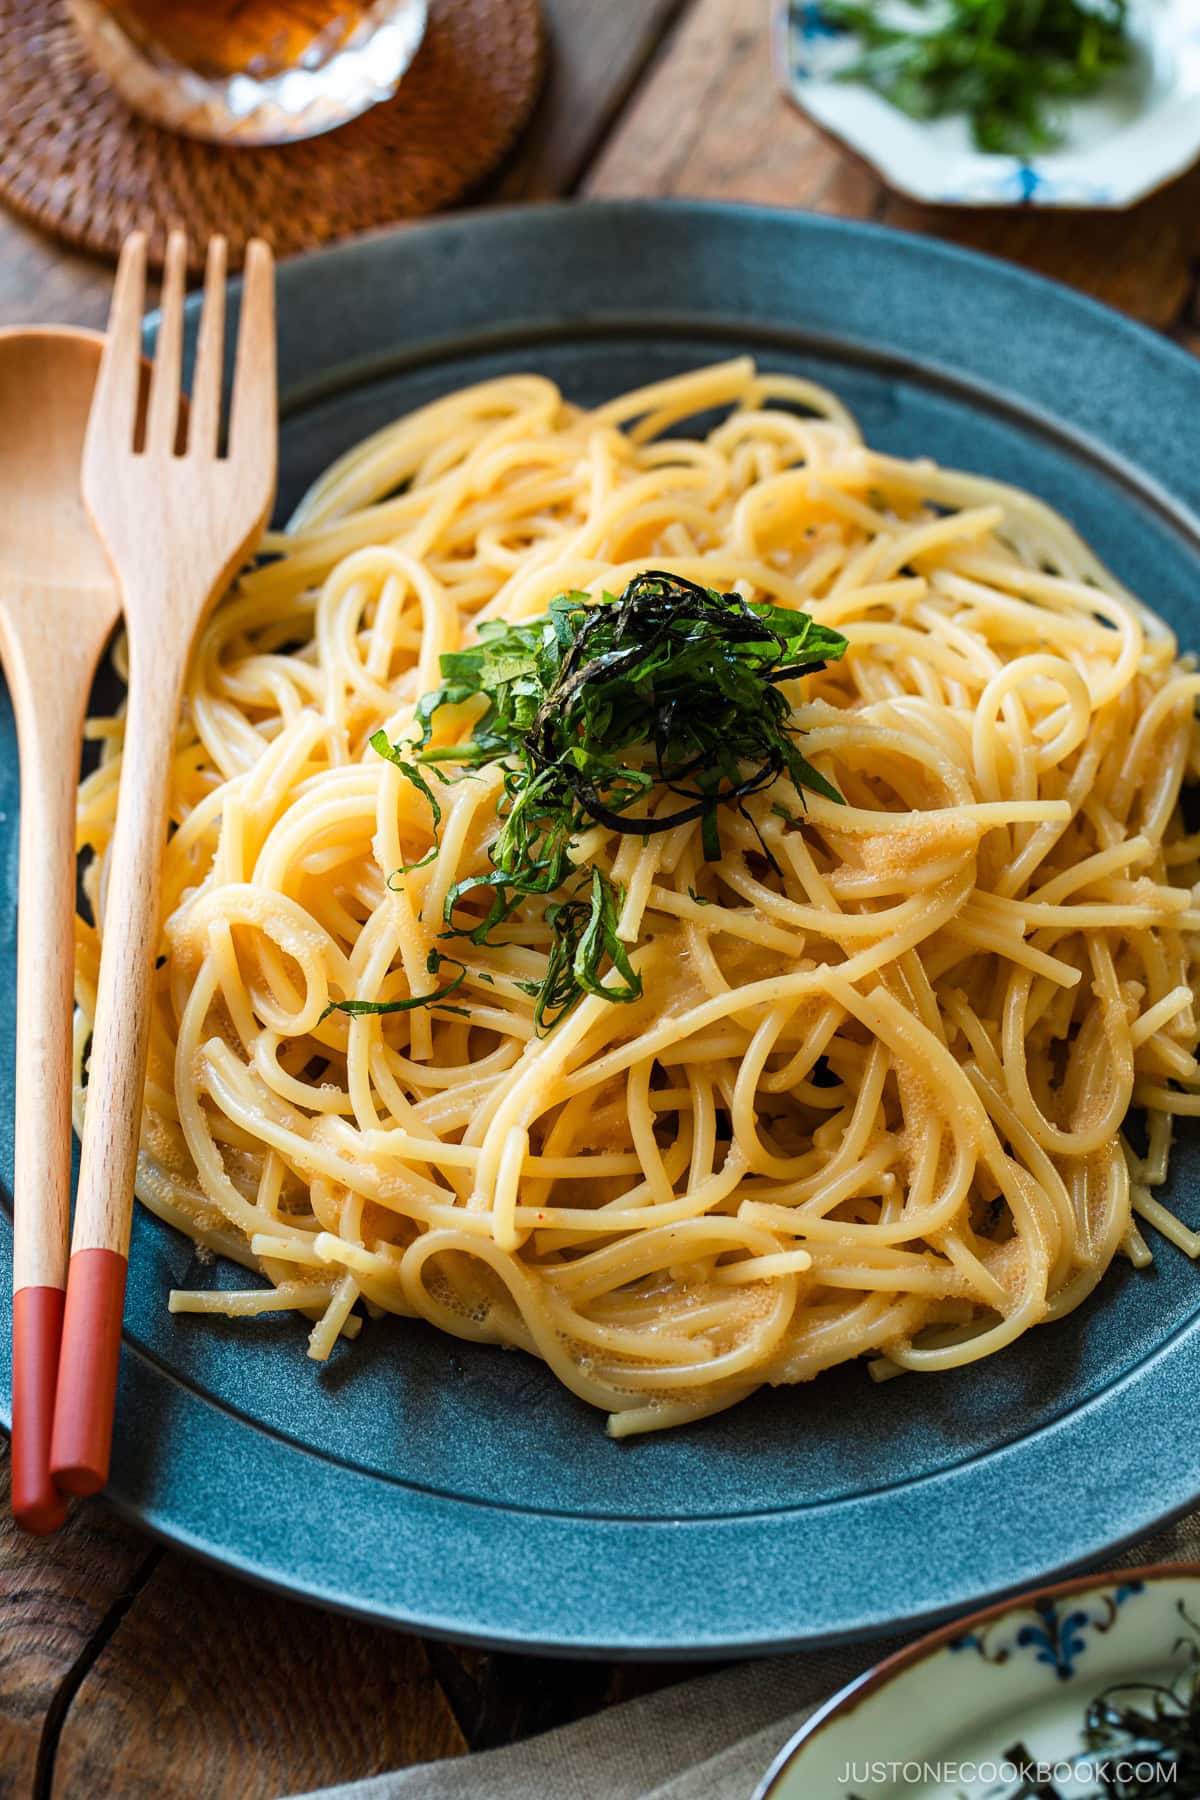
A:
[(498, 1697), (710, 121), (55, 1596), (174, 526), (207, 1687), (1141, 261), (40, 280), (179, 526), (58, 607), (215, 1690), (75, 158), (596, 54)]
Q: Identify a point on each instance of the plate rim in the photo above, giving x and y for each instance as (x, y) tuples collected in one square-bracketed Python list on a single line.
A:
[(165, 1518), (873, 1680)]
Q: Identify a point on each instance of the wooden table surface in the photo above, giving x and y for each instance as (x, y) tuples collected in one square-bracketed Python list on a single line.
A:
[(128, 1669)]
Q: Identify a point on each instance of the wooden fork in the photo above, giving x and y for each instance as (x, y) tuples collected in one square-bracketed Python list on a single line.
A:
[(176, 525)]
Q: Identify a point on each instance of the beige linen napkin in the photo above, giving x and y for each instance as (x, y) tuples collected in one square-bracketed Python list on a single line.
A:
[(708, 1739)]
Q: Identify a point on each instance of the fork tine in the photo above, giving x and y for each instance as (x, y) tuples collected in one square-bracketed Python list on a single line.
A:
[(205, 417), (252, 423), (176, 528), (162, 421), (115, 404)]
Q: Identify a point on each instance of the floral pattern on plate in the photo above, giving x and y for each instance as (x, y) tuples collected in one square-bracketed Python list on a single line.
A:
[(969, 1711), (1057, 1633)]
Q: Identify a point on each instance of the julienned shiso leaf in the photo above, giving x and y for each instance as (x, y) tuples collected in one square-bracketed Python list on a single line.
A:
[(1005, 63), (378, 741), (357, 1009), (593, 709)]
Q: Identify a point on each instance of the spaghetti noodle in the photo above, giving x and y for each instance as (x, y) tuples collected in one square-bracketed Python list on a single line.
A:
[(871, 1096)]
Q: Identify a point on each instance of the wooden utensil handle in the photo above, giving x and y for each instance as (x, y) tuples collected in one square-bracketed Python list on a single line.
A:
[(49, 669), (45, 965), (91, 1339), (36, 1336)]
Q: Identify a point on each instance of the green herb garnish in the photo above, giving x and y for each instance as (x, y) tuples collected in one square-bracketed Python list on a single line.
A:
[(1004, 63), (583, 938), (591, 709), (378, 741), (357, 1009)]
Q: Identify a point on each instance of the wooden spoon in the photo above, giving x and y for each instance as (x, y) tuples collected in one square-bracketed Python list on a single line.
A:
[(58, 606)]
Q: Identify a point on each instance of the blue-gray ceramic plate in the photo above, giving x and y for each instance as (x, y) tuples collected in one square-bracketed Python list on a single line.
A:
[(458, 1488), (996, 1706)]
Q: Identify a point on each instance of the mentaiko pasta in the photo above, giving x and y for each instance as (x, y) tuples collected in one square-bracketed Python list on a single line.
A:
[(872, 1097)]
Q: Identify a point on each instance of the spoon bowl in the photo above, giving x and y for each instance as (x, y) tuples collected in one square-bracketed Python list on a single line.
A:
[(47, 375)]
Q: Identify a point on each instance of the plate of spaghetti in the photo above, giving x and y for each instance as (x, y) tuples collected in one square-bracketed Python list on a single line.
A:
[(670, 1120)]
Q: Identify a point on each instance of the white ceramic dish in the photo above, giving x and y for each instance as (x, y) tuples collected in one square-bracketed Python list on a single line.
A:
[(954, 1716), (1140, 131)]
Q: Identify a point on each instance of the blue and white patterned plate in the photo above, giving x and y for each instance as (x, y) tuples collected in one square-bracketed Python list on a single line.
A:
[(993, 1706), (1140, 131)]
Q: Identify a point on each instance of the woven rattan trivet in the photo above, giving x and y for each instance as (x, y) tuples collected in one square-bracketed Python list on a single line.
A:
[(77, 161)]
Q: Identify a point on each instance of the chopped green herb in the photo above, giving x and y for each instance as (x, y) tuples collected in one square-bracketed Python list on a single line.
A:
[(699, 898), (583, 935), (592, 709), (1005, 63), (357, 1009), (378, 741)]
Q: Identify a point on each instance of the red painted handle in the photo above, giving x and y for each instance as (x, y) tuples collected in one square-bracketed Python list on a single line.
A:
[(37, 1330), (87, 1371)]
